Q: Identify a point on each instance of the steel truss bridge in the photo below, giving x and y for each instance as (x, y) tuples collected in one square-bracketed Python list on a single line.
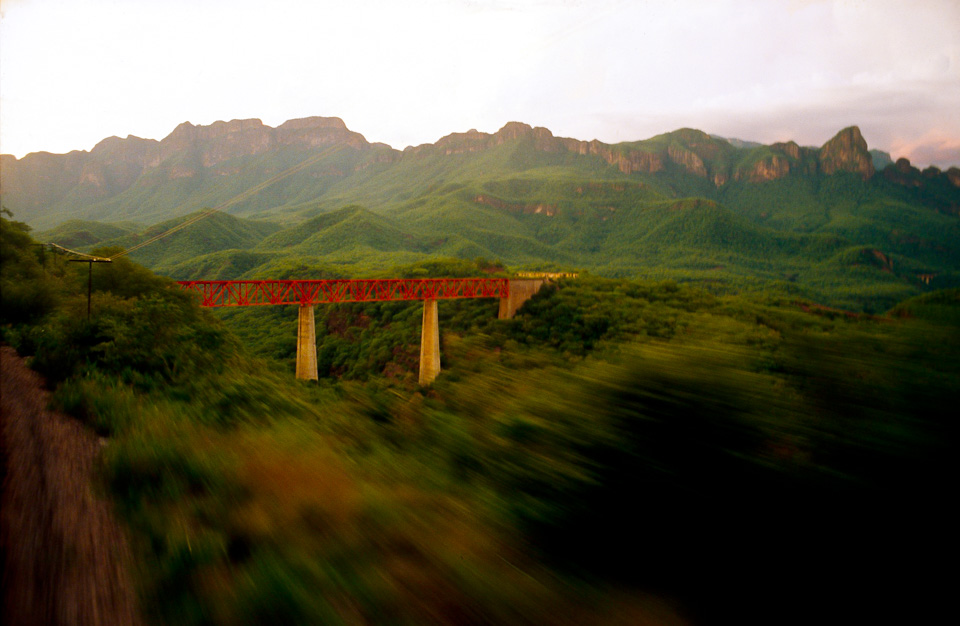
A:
[(217, 293), (309, 293)]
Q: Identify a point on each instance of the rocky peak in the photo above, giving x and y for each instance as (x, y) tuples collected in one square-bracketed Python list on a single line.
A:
[(313, 122), (880, 159), (542, 138), (184, 130), (133, 150), (936, 182), (789, 148), (692, 136), (700, 154), (847, 152), (222, 141), (512, 130), (115, 145), (215, 143), (904, 167), (539, 132), (903, 173), (458, 143), (318, 131), (705, 146), (475, 141), (182, 139), (953, 175), (221, 129), (771, 167)]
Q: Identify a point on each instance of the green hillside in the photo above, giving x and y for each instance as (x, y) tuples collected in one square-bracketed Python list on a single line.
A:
[(214, 233), (80, 233), (843, 243), (331, 232), (822, 223), (223, 265)]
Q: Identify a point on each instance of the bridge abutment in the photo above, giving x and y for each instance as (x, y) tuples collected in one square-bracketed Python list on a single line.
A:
[(520, 291), (429, 343), (306, 344)]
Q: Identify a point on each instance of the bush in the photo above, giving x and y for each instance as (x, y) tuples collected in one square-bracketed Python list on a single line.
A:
[(27, 293)]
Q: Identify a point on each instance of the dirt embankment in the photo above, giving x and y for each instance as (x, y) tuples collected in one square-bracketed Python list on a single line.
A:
[(63, 554)]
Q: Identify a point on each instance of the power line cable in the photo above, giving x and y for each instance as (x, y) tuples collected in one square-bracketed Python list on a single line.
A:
[(83, 255)]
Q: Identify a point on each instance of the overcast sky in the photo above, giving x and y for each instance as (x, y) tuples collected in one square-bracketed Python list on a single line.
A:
[(73, 72)]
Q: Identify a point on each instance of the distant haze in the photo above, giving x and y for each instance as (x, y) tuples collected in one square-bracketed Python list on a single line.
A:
[(73, 72)]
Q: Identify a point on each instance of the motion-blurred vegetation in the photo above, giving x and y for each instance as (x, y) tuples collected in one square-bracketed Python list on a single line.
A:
[(621, 452)]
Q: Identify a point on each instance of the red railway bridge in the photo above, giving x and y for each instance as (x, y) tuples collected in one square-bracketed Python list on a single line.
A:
[(309, 293)]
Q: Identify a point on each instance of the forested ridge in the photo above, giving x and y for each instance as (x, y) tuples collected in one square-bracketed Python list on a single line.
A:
[(840, 224), (623, 451)]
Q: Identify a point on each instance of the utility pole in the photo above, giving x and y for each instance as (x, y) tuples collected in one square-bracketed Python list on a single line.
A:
[(43, 256), (90, 263)]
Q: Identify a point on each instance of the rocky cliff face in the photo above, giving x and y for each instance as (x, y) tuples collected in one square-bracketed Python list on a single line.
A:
[(114, 164), (777, 161), (315, 132), (938, 187), (769, 168), (40, 178), (43, 180), (790, 148), (214, 144), (690, 150), (687, 159), (222, 141), (847, 152), (627, 158), (953, 175)]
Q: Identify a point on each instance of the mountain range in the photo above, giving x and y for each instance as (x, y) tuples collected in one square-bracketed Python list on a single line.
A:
[(839, 223)]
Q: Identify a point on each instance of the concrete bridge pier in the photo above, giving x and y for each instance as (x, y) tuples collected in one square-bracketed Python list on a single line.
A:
[(429, 343), (519, 292), (306, 344)]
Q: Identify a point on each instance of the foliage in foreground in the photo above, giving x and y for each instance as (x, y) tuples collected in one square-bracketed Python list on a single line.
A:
[(616, 435)]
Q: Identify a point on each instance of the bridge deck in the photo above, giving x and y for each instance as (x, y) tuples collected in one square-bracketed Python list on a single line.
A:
[(216, 293)]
